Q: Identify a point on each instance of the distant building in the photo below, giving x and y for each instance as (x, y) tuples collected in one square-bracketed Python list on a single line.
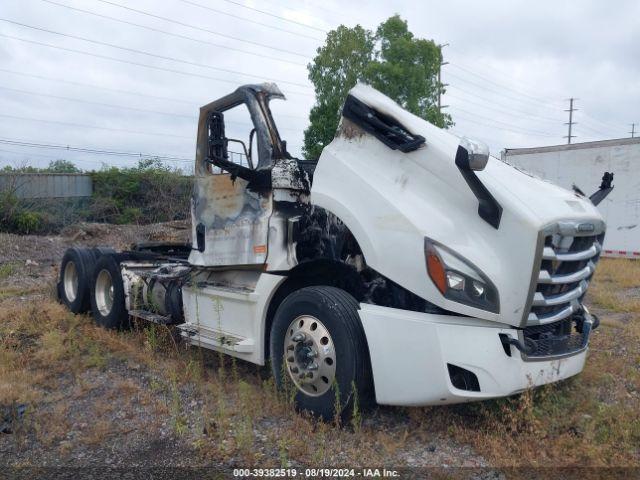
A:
[(583, 164)]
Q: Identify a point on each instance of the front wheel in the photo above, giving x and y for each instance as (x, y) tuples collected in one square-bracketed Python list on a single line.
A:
[(318, 344)]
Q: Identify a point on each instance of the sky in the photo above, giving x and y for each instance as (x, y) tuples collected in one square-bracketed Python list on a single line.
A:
[(128, 76)]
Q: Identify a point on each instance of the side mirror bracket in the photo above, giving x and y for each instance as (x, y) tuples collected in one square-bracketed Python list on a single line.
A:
[(471, 157)]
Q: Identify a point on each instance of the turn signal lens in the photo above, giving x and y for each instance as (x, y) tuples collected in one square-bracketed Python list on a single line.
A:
[(436, 270)]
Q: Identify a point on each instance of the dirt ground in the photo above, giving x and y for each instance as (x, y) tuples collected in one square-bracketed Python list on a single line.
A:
[(72, 394)]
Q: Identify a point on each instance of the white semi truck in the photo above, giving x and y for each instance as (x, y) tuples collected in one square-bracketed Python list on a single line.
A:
[(405, 264)]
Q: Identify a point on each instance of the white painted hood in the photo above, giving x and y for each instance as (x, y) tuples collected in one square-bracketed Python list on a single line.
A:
[(392, 200)]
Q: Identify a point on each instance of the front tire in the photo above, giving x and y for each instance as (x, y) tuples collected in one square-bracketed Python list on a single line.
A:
[(107, 295), (318, 344)]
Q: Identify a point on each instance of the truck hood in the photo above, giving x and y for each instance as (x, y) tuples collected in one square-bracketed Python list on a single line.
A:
[(392, 200)]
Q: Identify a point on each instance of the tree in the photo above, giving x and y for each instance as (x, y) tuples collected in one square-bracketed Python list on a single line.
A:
[(61, 166), (339, 64), (392, 60)]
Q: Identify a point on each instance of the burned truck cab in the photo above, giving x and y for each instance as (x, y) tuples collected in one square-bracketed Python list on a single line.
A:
[(239, 159), (405, 263)]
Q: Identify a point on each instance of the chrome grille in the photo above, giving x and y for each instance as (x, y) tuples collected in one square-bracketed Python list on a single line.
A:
[(569, 255)]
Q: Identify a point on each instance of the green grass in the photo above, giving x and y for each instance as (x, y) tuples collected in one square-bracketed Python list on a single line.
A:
[(9, 269)]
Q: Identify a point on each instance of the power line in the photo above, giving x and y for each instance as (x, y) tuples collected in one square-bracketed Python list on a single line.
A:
[(271, 15), (609, 126), (192, 103), (91, 85), (258, 44), (149, 54), (501, 127), (504, 86), (523, 130), (57, 157), (215, 10), (123, 107), (507, 110), (93, 127), (99, 104), (184, 1), (604, 124), (484, 87), (540, 100), (596, 131), (481, 65), (91, 150), (172, 34), (530, 97), (129, 62), (516, 112)]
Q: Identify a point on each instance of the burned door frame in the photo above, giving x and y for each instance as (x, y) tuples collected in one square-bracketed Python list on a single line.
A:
[(231, 211)]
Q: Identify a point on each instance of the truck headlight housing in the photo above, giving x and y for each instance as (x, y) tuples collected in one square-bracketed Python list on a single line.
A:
[(458, 279)]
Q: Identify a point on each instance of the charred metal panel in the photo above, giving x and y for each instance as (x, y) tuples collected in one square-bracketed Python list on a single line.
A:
[(235, 220), (288, 173), (233, 213)]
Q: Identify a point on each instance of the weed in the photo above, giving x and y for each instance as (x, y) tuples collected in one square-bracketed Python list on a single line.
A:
[(177, 417), (95, 356), (8, 269), (244, 428), (195, 369), (356, 414), (152, 341), (283, 453), (337, 404)]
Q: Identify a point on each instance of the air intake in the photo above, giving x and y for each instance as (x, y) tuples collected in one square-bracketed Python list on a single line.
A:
[(463, 379)]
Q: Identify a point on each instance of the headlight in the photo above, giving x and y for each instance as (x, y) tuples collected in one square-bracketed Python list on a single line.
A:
[(459, 280)]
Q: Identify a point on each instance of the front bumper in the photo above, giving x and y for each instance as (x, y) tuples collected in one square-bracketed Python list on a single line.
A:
[(410, 353)]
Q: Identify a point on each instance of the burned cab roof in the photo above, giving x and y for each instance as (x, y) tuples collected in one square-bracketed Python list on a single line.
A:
[(244, 93)]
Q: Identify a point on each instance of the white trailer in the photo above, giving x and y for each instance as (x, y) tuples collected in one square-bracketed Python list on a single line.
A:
[(582, 165), (405, 265)]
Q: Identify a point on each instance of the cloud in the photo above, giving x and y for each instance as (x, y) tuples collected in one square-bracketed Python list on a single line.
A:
[(512, 65)]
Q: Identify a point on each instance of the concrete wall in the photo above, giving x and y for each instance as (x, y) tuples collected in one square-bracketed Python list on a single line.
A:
[(46, 185), (583, 164)]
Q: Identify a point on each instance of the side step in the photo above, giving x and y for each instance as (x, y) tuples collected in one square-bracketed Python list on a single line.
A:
[(205, 337), (151, 317)]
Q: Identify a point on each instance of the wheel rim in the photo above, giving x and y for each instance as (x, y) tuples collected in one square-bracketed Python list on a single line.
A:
[(104, 292), (70, 281), (310, 355)]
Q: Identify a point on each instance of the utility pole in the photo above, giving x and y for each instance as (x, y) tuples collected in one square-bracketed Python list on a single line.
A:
[(571, 123), (633, 130), (440, 84)]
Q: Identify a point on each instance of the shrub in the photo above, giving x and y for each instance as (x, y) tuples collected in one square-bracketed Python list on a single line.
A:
[(26, 222), (149, 193)]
